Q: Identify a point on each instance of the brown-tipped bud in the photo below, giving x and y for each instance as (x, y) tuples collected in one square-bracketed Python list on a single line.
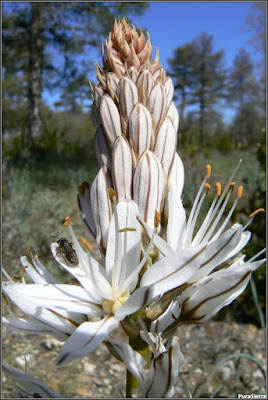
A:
[(157, 103), (95, 112), (110, 119), (145, 85), (169, 88), (112, 83), (140, 128), (101, 206), (127, 93), (101, 149), (173, 114), (130, 327), (176, 175), (166, 144), (148, 186), (122, 168)]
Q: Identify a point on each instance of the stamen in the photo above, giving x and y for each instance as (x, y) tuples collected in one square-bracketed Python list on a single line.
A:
[(226, 189), (191, 228), (257, 255), (239, 192), (232, 185), (192, 213), (218, 187), (157, 219), (31, 253), (127, 230), (86, 243), (252, 216), (6, 275), (208, 166), (67, 221), (256, 212), (207, 187)]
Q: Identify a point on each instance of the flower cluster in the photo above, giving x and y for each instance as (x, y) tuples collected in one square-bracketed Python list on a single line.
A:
[(156, 271)]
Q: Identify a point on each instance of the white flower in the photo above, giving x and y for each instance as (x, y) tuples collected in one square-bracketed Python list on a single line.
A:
[(186, 258), (29, 385), (65, 310)]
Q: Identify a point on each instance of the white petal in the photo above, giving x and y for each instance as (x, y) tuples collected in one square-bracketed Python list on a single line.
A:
[(205, 298), (69, 297), (176, 176), (176, 218), (245, 237), (131, 240), (134, 362), (140, 128), (30, 384), (86, 338), (139, 299), (174, 115), (165, 144), (31, 327), (163, 373), (218, 250), (122, 169), (79, 273), (63, 320)]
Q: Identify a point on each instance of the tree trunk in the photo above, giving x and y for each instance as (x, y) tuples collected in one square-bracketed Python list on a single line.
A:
[(35, 72)]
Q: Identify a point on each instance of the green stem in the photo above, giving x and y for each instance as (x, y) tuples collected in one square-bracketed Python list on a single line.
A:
[(142, 348)]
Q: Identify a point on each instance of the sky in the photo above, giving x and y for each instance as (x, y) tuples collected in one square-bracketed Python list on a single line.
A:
[(172, 24)]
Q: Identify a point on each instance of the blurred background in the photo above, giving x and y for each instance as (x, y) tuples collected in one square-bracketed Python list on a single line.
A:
[(215, 54)]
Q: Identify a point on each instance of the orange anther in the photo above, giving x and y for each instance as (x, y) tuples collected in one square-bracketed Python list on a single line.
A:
[(67, 221), (111, 194), (127, 230), (86, 243), (256, 212), (207, 187), (208, 170), (232, 185), (239, 192), (218, 187), (157, 218)]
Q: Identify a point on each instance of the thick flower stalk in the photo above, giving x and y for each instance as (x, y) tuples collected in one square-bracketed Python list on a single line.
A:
[(156, 270)]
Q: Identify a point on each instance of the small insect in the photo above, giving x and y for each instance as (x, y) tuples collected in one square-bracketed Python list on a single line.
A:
[(67, 251)]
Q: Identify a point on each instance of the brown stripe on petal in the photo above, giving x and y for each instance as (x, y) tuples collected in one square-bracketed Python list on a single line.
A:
[(215, 254), (190, 314)]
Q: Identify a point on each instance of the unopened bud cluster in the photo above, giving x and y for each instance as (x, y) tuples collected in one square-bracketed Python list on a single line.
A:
[(136, 132)]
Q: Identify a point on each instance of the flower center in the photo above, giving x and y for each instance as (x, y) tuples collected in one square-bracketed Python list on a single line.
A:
[(111, 306)]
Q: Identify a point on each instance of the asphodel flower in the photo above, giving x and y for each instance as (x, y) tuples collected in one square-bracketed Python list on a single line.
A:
[(66, 311)]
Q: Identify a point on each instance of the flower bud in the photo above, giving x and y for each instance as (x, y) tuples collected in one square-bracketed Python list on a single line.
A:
[(140, 128), (145, 85), (110, 119), (122, 168), (173, 114), (169, 88), (157, 103), (127, 93), (101, 149), (101, 206), (148, 186), (165, 144), (176, 175)]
